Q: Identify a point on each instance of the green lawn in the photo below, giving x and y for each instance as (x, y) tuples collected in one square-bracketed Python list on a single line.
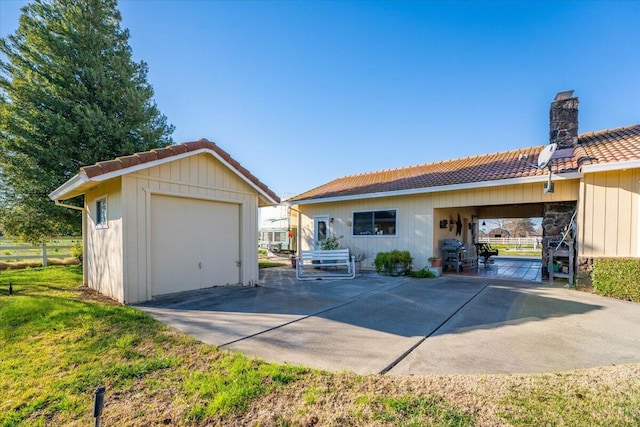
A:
[(59, 341), (513, 250)]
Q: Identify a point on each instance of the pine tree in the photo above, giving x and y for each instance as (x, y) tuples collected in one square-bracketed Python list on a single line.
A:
[(70, 95)]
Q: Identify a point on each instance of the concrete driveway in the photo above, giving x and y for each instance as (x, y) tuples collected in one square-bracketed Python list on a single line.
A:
[(377, 324)]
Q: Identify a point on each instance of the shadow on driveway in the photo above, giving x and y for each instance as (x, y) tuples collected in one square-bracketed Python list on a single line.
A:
[(375, 323)]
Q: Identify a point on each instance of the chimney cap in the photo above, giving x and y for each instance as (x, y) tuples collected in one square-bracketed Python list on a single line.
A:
[(563, 96)]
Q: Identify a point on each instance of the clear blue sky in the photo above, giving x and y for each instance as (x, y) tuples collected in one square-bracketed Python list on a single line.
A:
[(304, 92)]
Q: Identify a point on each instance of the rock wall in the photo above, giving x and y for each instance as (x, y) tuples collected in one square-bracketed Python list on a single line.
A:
[(556, 217)]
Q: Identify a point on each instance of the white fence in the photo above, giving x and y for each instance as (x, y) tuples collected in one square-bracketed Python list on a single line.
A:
[(534, 242), (55, 248)]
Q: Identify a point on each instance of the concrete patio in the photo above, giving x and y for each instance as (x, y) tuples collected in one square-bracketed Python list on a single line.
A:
[(523, 268)]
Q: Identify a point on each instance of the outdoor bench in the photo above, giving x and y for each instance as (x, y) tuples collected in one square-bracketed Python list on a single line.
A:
[(486, 251), (319, 264)]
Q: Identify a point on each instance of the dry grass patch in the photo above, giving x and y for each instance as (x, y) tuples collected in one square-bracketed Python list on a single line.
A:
[(20, 265)]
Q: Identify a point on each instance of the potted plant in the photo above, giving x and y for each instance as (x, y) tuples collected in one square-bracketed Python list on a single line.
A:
[(358, 256), (330, 243), (393, 263), (435, 261)]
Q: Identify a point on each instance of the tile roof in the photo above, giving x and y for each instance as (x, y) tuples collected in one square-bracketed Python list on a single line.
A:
[(609, 146), (122, 163), (616, 145)]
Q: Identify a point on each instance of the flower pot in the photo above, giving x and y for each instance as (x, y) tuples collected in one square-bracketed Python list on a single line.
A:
[(436, 262)]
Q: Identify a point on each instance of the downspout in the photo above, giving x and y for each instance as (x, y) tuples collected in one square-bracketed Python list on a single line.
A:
[(84, 233)]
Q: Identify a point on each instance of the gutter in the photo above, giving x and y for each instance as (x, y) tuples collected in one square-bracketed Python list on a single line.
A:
[(606, 167), (73, 183), (452, 187)]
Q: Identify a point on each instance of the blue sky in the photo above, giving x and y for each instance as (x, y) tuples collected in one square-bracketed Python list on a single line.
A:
[(304, 92)]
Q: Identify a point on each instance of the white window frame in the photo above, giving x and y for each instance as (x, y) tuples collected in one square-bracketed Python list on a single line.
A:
[(317, 219), (353, 223), (102, 223)]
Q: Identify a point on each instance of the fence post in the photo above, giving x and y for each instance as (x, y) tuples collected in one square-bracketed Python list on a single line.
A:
[(44, 254)]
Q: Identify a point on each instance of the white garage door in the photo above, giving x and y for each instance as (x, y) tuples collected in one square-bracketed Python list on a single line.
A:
[(194, 244)]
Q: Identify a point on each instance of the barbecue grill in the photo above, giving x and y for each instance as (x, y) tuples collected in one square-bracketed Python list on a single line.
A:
[(452, 254)]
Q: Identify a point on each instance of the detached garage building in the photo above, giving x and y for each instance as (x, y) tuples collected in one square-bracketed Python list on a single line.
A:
[(168, 220)]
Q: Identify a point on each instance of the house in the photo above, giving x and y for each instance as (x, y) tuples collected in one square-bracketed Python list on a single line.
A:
[(590, 193), (167, 220), (274, 231), (498, 232)]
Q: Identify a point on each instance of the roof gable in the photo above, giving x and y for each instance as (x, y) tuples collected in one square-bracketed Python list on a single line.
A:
[(127, 164), (617, 145)]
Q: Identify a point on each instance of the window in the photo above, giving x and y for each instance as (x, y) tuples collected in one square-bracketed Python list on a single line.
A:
[(380, 223), (101, 212)]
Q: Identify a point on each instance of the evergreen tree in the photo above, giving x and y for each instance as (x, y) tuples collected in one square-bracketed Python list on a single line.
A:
[(70, 95)]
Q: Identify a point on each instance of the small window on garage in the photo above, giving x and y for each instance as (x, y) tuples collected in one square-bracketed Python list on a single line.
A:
[(101, 212), (375, 223)]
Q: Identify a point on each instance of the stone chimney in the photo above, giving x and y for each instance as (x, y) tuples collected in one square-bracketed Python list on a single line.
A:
[(563, 120)]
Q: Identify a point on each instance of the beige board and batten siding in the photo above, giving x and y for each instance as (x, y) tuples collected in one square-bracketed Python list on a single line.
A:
[(198, 179), (103, 246), (609, 221), (417, 229)]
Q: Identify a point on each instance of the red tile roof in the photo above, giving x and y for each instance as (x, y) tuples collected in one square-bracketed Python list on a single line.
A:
[(122, 163), (608, 146)]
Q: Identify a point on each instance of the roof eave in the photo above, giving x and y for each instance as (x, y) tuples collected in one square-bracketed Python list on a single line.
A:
[(75, 182), (451, 187), (66, 190)]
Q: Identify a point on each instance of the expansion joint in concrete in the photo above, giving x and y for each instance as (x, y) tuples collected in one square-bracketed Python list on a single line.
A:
[(424, 338)]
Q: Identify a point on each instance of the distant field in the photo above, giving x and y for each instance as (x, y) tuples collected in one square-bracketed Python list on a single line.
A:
[(510, 250), (17, 255)]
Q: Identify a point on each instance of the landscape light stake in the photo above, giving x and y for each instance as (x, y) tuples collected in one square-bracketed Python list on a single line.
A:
[(10, 288), (98, 403)]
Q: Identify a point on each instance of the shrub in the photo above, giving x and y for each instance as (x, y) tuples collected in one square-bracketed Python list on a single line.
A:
[(76, 250), (330, 243), (617, 278), (387, 262), (422, 274)]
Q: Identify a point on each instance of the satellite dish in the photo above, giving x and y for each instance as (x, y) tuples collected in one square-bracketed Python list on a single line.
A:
[(545, 155)]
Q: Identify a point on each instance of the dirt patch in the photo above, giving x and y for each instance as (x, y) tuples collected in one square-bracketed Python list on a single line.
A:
[(88, 294)]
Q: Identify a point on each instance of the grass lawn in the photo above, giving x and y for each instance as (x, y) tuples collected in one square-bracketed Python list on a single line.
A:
[(59, 341), (269, 264)]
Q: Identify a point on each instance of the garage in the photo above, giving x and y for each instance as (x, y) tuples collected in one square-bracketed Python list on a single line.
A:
[(194, 244), (169, 220)]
